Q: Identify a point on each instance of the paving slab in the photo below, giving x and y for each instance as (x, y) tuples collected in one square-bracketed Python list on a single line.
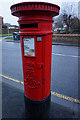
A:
[(14, 106)]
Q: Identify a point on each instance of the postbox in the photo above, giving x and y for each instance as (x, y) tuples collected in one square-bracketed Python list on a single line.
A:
[(35, 23)]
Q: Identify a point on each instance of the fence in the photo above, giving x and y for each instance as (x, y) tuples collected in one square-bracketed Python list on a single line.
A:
[(66, 37)]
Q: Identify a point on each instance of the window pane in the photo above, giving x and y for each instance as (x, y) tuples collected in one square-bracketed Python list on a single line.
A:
[(29, 46)]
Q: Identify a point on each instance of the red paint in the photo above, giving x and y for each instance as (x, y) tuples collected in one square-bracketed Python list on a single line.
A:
[(35, 20)]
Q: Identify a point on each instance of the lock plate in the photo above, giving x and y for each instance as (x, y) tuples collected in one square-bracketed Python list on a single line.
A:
[(39, 39)]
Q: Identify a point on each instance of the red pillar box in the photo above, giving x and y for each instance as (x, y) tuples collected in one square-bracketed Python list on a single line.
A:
[(35, 22)]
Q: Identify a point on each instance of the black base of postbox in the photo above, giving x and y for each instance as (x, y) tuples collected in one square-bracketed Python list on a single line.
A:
[(37, 101), (37, 109)]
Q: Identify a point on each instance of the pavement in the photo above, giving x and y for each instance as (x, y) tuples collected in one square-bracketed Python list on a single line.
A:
[(64, 84), (14, 106)]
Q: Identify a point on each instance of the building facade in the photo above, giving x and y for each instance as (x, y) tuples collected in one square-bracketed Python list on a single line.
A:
[(1, 22)]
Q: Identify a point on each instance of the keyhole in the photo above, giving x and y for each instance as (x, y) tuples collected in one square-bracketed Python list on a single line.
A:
[(41, 66)]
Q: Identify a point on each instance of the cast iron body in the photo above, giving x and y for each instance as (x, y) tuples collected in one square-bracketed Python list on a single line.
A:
[(35, 21)]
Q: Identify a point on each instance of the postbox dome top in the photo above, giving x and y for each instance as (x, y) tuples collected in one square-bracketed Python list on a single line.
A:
[(34, 6)]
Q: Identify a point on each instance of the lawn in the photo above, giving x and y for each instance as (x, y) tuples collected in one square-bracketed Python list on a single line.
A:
[(9, 38), (4, 35)]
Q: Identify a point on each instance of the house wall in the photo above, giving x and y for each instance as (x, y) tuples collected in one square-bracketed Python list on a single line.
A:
[(0, 29), (5, 31), (1, 22)]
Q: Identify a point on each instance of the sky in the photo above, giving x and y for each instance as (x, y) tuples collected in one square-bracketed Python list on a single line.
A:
[(5, 11)]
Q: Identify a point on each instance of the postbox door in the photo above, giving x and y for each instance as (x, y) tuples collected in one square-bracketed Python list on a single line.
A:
[(32, 66)]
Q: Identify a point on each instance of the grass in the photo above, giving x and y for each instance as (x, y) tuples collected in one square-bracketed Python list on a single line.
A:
[(4, 35), (11, 38)]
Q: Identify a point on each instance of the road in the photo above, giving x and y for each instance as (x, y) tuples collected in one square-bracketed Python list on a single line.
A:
[(64, 72)]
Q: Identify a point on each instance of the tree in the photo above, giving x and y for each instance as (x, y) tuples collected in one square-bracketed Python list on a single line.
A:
[(59, 22), (75, 25), (67, 20), (69, 15)]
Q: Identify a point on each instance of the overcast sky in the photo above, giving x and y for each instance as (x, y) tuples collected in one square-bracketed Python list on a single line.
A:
[(6, 13)]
